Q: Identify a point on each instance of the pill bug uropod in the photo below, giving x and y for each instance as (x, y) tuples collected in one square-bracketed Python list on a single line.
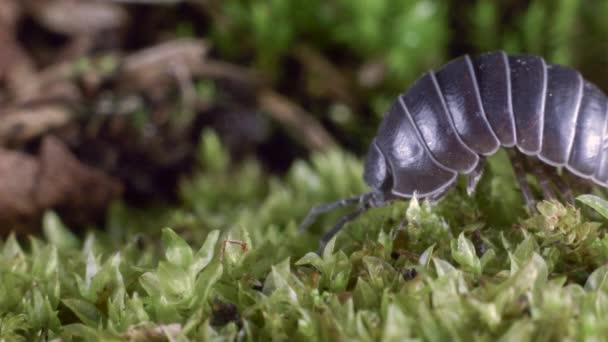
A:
[(448, 121)]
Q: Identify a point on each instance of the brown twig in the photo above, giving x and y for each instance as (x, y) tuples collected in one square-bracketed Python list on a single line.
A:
[(77, 17), (303, 125), (223, 70), (147, 69), (299, 122), (20, 125), (324, 77), (148, 66)]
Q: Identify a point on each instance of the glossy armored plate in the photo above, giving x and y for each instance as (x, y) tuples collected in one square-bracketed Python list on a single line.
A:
[(376, 172), (590, 124), (601, 171), (410, 163), (446, 120), (459, 88), (494, 83), (429, 113), (471, 107), (562, 106), (528, 90)]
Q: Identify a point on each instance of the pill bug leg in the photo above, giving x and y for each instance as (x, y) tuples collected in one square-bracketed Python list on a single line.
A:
[(565, 189), (545, 182), (475, 176), (402, 224), (366, 203), (520, 173), (343, 221), (322, 209), (438, 196), (581, 185)]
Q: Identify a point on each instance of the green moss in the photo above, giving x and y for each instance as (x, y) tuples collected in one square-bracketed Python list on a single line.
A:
[(233, 266)]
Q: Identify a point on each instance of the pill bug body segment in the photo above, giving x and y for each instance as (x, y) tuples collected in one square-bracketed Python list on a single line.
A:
[(449, 120), (546, 111)]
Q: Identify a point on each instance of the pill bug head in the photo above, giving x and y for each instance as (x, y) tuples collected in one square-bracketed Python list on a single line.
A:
[(378, 176), (377, 171)]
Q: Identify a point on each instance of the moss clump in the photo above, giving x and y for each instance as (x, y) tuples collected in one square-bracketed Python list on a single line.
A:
[(232, 267)]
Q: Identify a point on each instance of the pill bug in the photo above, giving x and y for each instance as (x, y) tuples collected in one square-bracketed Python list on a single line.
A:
[(450, 120)]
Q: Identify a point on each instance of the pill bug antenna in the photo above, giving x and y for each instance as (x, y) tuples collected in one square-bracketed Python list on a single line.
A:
[(365, 202), (336, 229), (325, 208)]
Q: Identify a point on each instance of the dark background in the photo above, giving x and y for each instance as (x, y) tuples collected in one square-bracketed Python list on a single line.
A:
[(126, 87)]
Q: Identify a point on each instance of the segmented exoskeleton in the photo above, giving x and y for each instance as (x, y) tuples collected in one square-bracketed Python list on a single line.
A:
[(451, 119)]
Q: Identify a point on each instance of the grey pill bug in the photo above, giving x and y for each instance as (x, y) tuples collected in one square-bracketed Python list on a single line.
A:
[(450, 120)]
